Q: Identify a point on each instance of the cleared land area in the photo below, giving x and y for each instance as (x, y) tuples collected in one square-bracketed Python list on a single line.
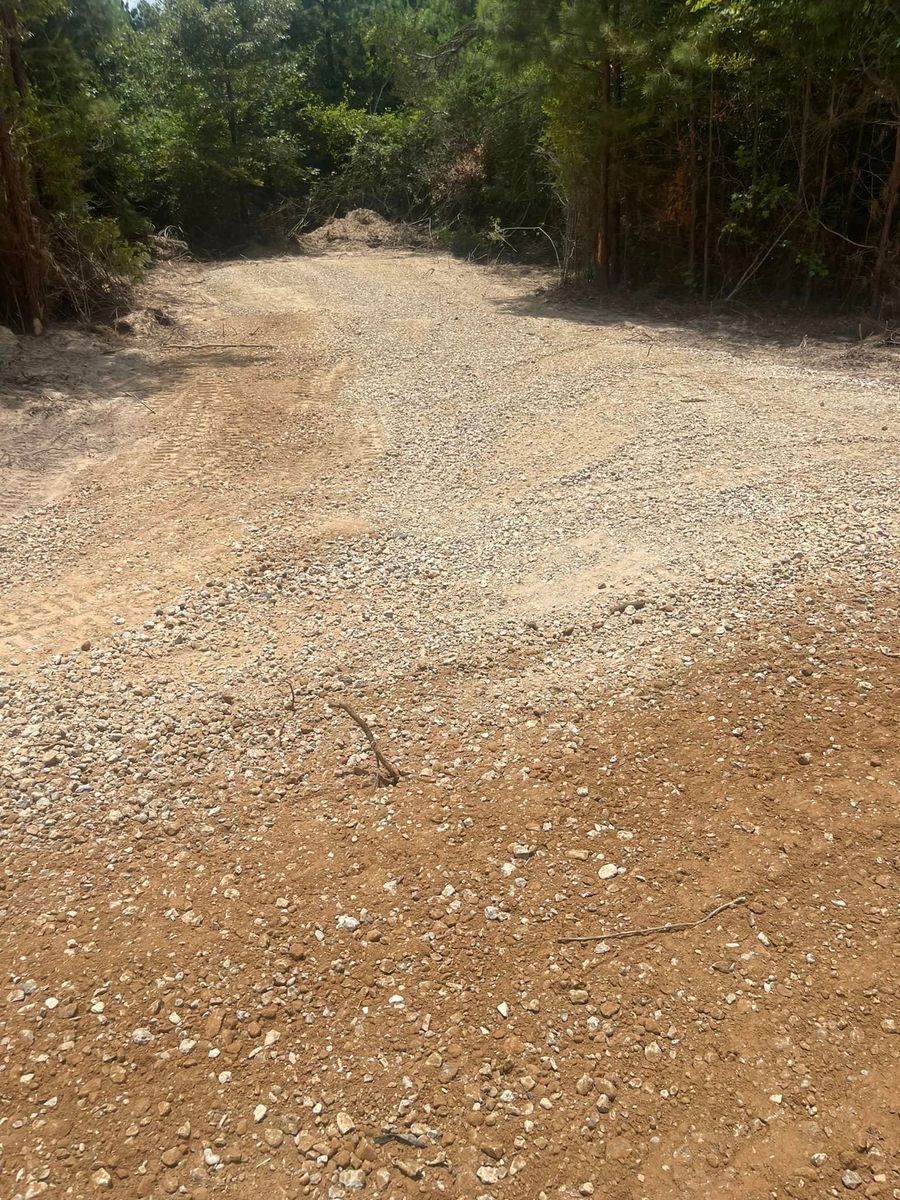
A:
[(618, 598)]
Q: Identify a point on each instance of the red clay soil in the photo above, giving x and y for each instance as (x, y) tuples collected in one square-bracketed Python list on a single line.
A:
[(192, 1012)]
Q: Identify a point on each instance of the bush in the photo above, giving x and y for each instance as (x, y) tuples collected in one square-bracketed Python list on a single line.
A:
[(92, 268), (380, 162)]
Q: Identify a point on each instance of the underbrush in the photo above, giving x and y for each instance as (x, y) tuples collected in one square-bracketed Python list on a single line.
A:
[(92, 268)]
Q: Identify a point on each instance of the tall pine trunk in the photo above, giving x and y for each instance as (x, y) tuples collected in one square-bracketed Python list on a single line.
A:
[(692, 226), (22, 251), (603, 249), (820, 199), (889, 195), (707, 219)]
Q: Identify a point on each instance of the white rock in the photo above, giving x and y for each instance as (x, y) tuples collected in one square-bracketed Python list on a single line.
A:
[(352, 1179), (489, 1174), (608, 871), (345, 1123), (345, 922)]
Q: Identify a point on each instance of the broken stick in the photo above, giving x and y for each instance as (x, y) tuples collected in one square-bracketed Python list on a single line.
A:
[(293, 709), (669, 927), (386, 771), (218, 346)]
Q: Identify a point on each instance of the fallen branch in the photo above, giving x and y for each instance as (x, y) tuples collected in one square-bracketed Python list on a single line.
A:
[(144, 403), (758, 262), (218, 346), (386, 772), (293, 709), (669, 927), (501, 233), (405, 1139)]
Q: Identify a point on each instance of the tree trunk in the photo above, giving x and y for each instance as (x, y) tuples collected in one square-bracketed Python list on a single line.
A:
[(820, 200), (232, 121), (23, 290), (693, 217), (603, 255), (891, 190), (707, 220), (12, 37), (25, 285), (803, 204), (615, 203), (804, 138)]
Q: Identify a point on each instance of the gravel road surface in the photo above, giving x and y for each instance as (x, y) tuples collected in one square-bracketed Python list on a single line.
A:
[(616, 594)]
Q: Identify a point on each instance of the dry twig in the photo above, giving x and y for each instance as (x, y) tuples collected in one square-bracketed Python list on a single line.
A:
[(218, 346), (386, 772), (293, 709), (132, 396), (669, 927), (405, 1139)]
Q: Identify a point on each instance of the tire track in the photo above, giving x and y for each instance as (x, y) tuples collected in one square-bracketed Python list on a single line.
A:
[(220, 440), (24, 480)]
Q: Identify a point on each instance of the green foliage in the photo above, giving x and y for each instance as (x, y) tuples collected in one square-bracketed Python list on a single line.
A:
[(221, 87), (379, 161), (696, 130), (72, 149), (715, 143)]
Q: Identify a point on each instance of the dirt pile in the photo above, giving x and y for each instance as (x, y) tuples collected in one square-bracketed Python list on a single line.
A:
[(363, 227), (165, 247)]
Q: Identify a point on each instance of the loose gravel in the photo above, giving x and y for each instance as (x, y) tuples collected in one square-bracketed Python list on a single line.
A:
[(618, 598)]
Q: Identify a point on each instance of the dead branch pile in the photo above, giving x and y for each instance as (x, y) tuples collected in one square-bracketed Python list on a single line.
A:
[(83, 279)]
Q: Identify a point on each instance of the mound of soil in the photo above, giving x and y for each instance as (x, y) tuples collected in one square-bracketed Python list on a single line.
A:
[(362, 227)]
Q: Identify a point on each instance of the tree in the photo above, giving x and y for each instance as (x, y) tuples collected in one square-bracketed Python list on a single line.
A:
[(22, 251), (723, 146)]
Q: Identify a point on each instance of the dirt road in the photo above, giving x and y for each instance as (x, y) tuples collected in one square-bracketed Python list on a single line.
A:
[(617, 595)]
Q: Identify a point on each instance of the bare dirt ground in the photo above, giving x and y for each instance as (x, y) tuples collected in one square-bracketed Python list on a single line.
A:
[(617, 595)]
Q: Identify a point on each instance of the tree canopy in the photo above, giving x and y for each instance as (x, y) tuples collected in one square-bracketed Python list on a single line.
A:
[(714, 146)]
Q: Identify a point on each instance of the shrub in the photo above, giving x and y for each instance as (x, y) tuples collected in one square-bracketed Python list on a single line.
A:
[(92, 268)]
